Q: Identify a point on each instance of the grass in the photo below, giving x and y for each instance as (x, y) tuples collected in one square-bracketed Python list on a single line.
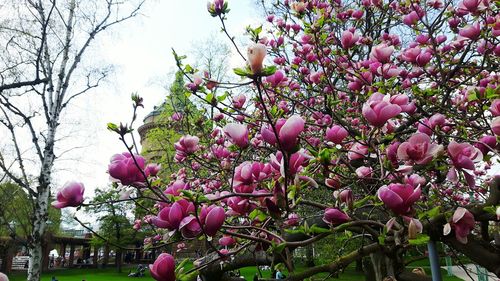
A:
[(109, 274)]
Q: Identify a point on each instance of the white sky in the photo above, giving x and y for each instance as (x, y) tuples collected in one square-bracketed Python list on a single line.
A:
[(140, 51)]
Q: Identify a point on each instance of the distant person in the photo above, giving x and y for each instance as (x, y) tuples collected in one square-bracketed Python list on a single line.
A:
[(3, 277), (52, 260), (279, 275)]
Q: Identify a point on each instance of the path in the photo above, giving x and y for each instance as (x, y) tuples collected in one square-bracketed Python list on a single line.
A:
[(459, 272)]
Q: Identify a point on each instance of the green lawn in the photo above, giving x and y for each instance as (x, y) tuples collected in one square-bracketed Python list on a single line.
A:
[(110, 274)]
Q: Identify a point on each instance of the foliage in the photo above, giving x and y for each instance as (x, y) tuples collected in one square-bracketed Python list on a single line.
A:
[(388, 111)]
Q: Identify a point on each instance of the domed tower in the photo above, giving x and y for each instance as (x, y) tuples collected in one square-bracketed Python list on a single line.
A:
[(153, 120)]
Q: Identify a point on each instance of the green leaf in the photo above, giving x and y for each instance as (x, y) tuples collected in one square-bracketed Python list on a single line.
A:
[(317, 230), (241, 72), (431, 213), (112, 127), (279, 248), (472, 96), (209, 97), (490, 209), (420, 240), (270, 70), (257, 214)]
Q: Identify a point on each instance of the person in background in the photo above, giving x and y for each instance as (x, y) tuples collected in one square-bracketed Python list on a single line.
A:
[(279, 275)]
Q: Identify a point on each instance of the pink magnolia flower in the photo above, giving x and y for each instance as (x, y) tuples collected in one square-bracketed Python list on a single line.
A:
[(289, 132), (226, 241), (336, 134), (471, 6), (470, 31), (462, 222), (177, 116), (495, 126), (276, 79), (255, 55), (346, 196), (238, 134), (163, 268), (357, 151), (464, 155), (268, 134), (377, 110), (364, 172), (239, 101), (418, 149), (411, 18), (123, 168), (247, 173), (239, 206), (176, 187), (348, 39), (189, 227), (70, 195), (3, 277), (185, 146), (334, 216), (214, 220), (495, 108), (399, 197), (382, 53), (486, 144), (170, 217), (292, 220)]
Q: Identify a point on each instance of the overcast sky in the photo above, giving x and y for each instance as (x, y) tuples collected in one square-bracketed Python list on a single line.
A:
[(140, 52)]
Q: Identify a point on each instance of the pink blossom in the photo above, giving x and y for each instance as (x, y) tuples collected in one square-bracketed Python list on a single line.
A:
[(189, 227), (214, 220), (377, 111), (187, 144), (486, 144), (70, 195), (292, 220), (335, 216), (348, 39), (239, 101), (470, 31), (357, 151), (495, 126), (382, 53), (177, 116), (176, 187), (462, 222), (364, 172), (336, 134), (464, 155), (399, 197), (418, 149), (239, 206), (268, 134), (238, 134), (226, 241), (255, 55), (289, 132), (3, 277), (163, 268), (276, 79), (346, 196), (170, 217), (411, 18), (129, 172), (495, 108)]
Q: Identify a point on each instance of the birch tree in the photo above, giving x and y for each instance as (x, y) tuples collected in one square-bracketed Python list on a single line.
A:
[(42, 46)]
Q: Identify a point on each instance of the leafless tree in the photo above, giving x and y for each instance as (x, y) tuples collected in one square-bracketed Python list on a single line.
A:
[(42, 46)]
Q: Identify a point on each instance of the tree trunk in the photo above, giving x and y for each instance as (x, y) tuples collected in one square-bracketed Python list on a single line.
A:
[(37, 234), (118, 261)]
